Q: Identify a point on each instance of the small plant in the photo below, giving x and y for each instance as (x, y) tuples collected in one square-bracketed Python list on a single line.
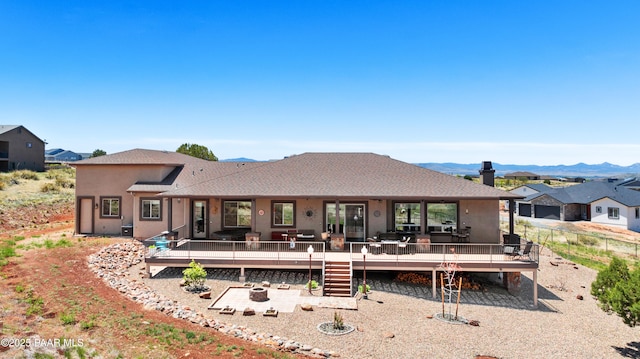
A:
[(360, 288), (314, 284), (68, 318), (194, 276), (35, 303), (338, 321), (88, 325)]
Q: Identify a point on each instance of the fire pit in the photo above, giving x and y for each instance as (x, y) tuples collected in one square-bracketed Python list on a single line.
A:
[(258, 294)]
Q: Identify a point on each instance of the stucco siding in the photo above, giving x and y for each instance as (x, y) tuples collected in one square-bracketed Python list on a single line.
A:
[(113, 180), (482, 216), (633, 222), (603, 217)]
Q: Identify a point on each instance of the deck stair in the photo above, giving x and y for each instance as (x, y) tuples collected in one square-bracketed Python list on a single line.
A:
[(337, 279)]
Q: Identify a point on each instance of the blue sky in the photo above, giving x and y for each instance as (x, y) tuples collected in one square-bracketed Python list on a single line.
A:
[(541, 82)]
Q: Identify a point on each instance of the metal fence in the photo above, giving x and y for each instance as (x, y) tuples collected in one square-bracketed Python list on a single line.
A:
[(572, 242)]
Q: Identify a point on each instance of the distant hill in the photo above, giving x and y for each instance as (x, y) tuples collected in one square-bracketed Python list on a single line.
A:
[(578, 170)]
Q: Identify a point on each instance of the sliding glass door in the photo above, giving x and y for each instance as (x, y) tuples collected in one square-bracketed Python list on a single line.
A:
[(352, 220)]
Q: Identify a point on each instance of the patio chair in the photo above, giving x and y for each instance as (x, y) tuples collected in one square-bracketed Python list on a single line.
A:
[(524, 253), (403, 245)]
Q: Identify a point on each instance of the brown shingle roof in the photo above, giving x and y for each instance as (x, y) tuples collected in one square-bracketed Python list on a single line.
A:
[(141, 157), (331, 175)]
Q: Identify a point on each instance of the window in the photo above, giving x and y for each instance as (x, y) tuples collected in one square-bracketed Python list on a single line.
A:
[(407, 217), (442, 217), (151, 209), (29, 144), (237, 214), (110, 207), (637, 213), (614, 212), (283, 214), (598, 209)]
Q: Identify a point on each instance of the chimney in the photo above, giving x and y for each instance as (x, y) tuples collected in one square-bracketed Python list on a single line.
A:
[(487, 173)]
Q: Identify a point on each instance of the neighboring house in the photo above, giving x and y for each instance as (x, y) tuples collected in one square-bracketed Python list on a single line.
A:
[(631, 183), (20, 149), (606, 202), (522, 175), (152, 191), (60, 155)]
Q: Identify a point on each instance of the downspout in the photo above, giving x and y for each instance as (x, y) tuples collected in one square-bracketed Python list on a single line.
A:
[(170, 213)]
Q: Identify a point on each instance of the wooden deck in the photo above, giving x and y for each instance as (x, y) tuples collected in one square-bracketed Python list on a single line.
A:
[(390, 257)]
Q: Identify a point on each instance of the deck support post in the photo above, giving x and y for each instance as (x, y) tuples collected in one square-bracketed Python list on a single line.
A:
[(148, 270), (535, 288), (241, 279), (433, 282)]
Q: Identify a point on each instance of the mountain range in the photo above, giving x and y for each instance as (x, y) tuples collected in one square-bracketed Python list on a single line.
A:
[(578, 170), (605, 169)]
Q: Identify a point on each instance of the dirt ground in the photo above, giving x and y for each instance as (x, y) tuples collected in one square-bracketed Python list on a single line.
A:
[(50, 293)]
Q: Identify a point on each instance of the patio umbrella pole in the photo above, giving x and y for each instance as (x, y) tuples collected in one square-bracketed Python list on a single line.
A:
[(458, 301)]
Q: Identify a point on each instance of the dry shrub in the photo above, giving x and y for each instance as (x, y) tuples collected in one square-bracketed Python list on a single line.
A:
[(49, 187)]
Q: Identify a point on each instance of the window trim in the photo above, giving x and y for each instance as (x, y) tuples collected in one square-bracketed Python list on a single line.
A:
[(443, 227), (417, 225), (616, 215), (273, 214), (111, 216), (224, 204), (142, 200), (637, 212)]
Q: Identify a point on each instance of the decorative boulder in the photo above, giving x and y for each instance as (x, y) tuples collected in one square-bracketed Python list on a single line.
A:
[(249, 311), (205, 295), (306, 307)]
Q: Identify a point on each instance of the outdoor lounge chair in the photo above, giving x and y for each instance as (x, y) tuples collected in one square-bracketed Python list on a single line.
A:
[(523, 253)]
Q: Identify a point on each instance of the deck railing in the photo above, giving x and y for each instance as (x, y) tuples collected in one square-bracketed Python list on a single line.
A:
[(159, 246), (444, 252), (196, 248)]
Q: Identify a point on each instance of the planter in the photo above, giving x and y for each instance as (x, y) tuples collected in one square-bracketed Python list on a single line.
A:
[(328, 329), (227, 310), (270, 313)]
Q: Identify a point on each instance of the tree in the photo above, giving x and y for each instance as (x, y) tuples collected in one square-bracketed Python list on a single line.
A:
[(194, 276), (98, 153), (618, 291), (197, 151), (606, 281), (625, 299)]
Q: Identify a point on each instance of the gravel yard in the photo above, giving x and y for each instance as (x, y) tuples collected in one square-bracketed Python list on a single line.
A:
[(395, 321)]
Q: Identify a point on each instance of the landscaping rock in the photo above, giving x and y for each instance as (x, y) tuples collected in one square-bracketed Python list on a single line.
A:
[(579, 297), (306, 307), (205, 295), (475, 323), (112, 264), (389, 335)]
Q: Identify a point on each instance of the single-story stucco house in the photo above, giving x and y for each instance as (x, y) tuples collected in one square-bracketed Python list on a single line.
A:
[(415, 217), (613, 202), (153, 191)]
